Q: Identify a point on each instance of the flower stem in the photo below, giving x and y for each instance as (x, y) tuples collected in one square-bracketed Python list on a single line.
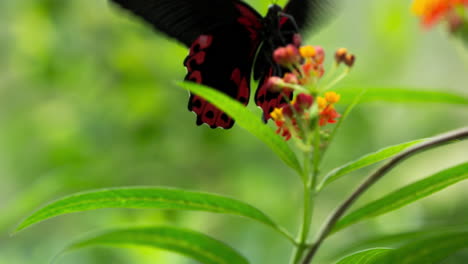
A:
[(336, 80), (317, 158), (309, 182), (306, 214)]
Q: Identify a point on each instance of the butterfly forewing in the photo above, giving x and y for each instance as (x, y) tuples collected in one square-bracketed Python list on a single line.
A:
[(183, 20), (223, 59)]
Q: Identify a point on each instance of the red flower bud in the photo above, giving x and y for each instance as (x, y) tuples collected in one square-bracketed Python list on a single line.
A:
[(287, 111), (286, 55), (304, 101), (290, 78), (273, 84), (320, 54)]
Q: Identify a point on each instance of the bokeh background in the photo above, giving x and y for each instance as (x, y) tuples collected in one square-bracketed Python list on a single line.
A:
[(87, 100)]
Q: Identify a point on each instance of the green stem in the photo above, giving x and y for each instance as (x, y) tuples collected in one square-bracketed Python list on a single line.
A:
[(317, 158), (336, 80), (309, 183), (307, 212)]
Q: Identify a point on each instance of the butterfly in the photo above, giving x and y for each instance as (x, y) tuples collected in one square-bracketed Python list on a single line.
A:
[(227, 40)]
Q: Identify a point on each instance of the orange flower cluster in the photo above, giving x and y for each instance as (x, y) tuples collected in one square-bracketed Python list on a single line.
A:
[(432, 11), (286, 117), (305, 65), (327, 111)]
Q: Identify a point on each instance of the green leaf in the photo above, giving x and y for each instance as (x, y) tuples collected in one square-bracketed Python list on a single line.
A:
[(366, 160), (428, 251), (402, 95), (367, 256), (247, 120), (186, 242), (146, 197), (398, 239), (406, 195)]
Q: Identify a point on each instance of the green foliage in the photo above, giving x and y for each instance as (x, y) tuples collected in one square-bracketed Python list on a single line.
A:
[(403, 95), (428, 251), (398, 239), (147, 197), (364, 257), (247, 120), (366, 160), (406, 195), (187, 242)]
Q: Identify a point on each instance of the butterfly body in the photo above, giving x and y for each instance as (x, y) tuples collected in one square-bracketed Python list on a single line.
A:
[(224, 37)]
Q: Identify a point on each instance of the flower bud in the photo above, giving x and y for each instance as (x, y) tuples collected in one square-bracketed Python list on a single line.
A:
[(340, 55), (287, 111), (307, 51), (349, 60), (286, 55), (290, 78), (274, 84), (319, 54), (304, 101)]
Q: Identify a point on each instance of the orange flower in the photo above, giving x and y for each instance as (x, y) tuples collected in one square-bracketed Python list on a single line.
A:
[(328, 115), (432, 11)]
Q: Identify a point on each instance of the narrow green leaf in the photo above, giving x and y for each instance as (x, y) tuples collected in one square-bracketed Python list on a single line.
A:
[(247, 120), (399, 239), (367, 256), (186, 242), (406, 195), (146, 197), (428, 251), (402, 95), (365, 161)]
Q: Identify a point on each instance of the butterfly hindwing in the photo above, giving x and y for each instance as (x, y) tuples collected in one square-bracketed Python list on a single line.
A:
[(265, 67), (223, 59)]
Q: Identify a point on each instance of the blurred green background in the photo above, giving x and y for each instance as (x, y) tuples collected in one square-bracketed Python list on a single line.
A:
[(87, 100)]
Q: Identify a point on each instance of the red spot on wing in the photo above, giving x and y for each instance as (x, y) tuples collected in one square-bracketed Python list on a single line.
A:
[(204, 41), (206, 112), (195, 76), (197, 54), (243, 86), (251, 23), (283, 20)]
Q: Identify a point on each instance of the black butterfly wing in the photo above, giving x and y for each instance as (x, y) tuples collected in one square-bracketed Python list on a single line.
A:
[(265, 67), (223, 59), (223, 37), (183, 20), (308, 14)]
